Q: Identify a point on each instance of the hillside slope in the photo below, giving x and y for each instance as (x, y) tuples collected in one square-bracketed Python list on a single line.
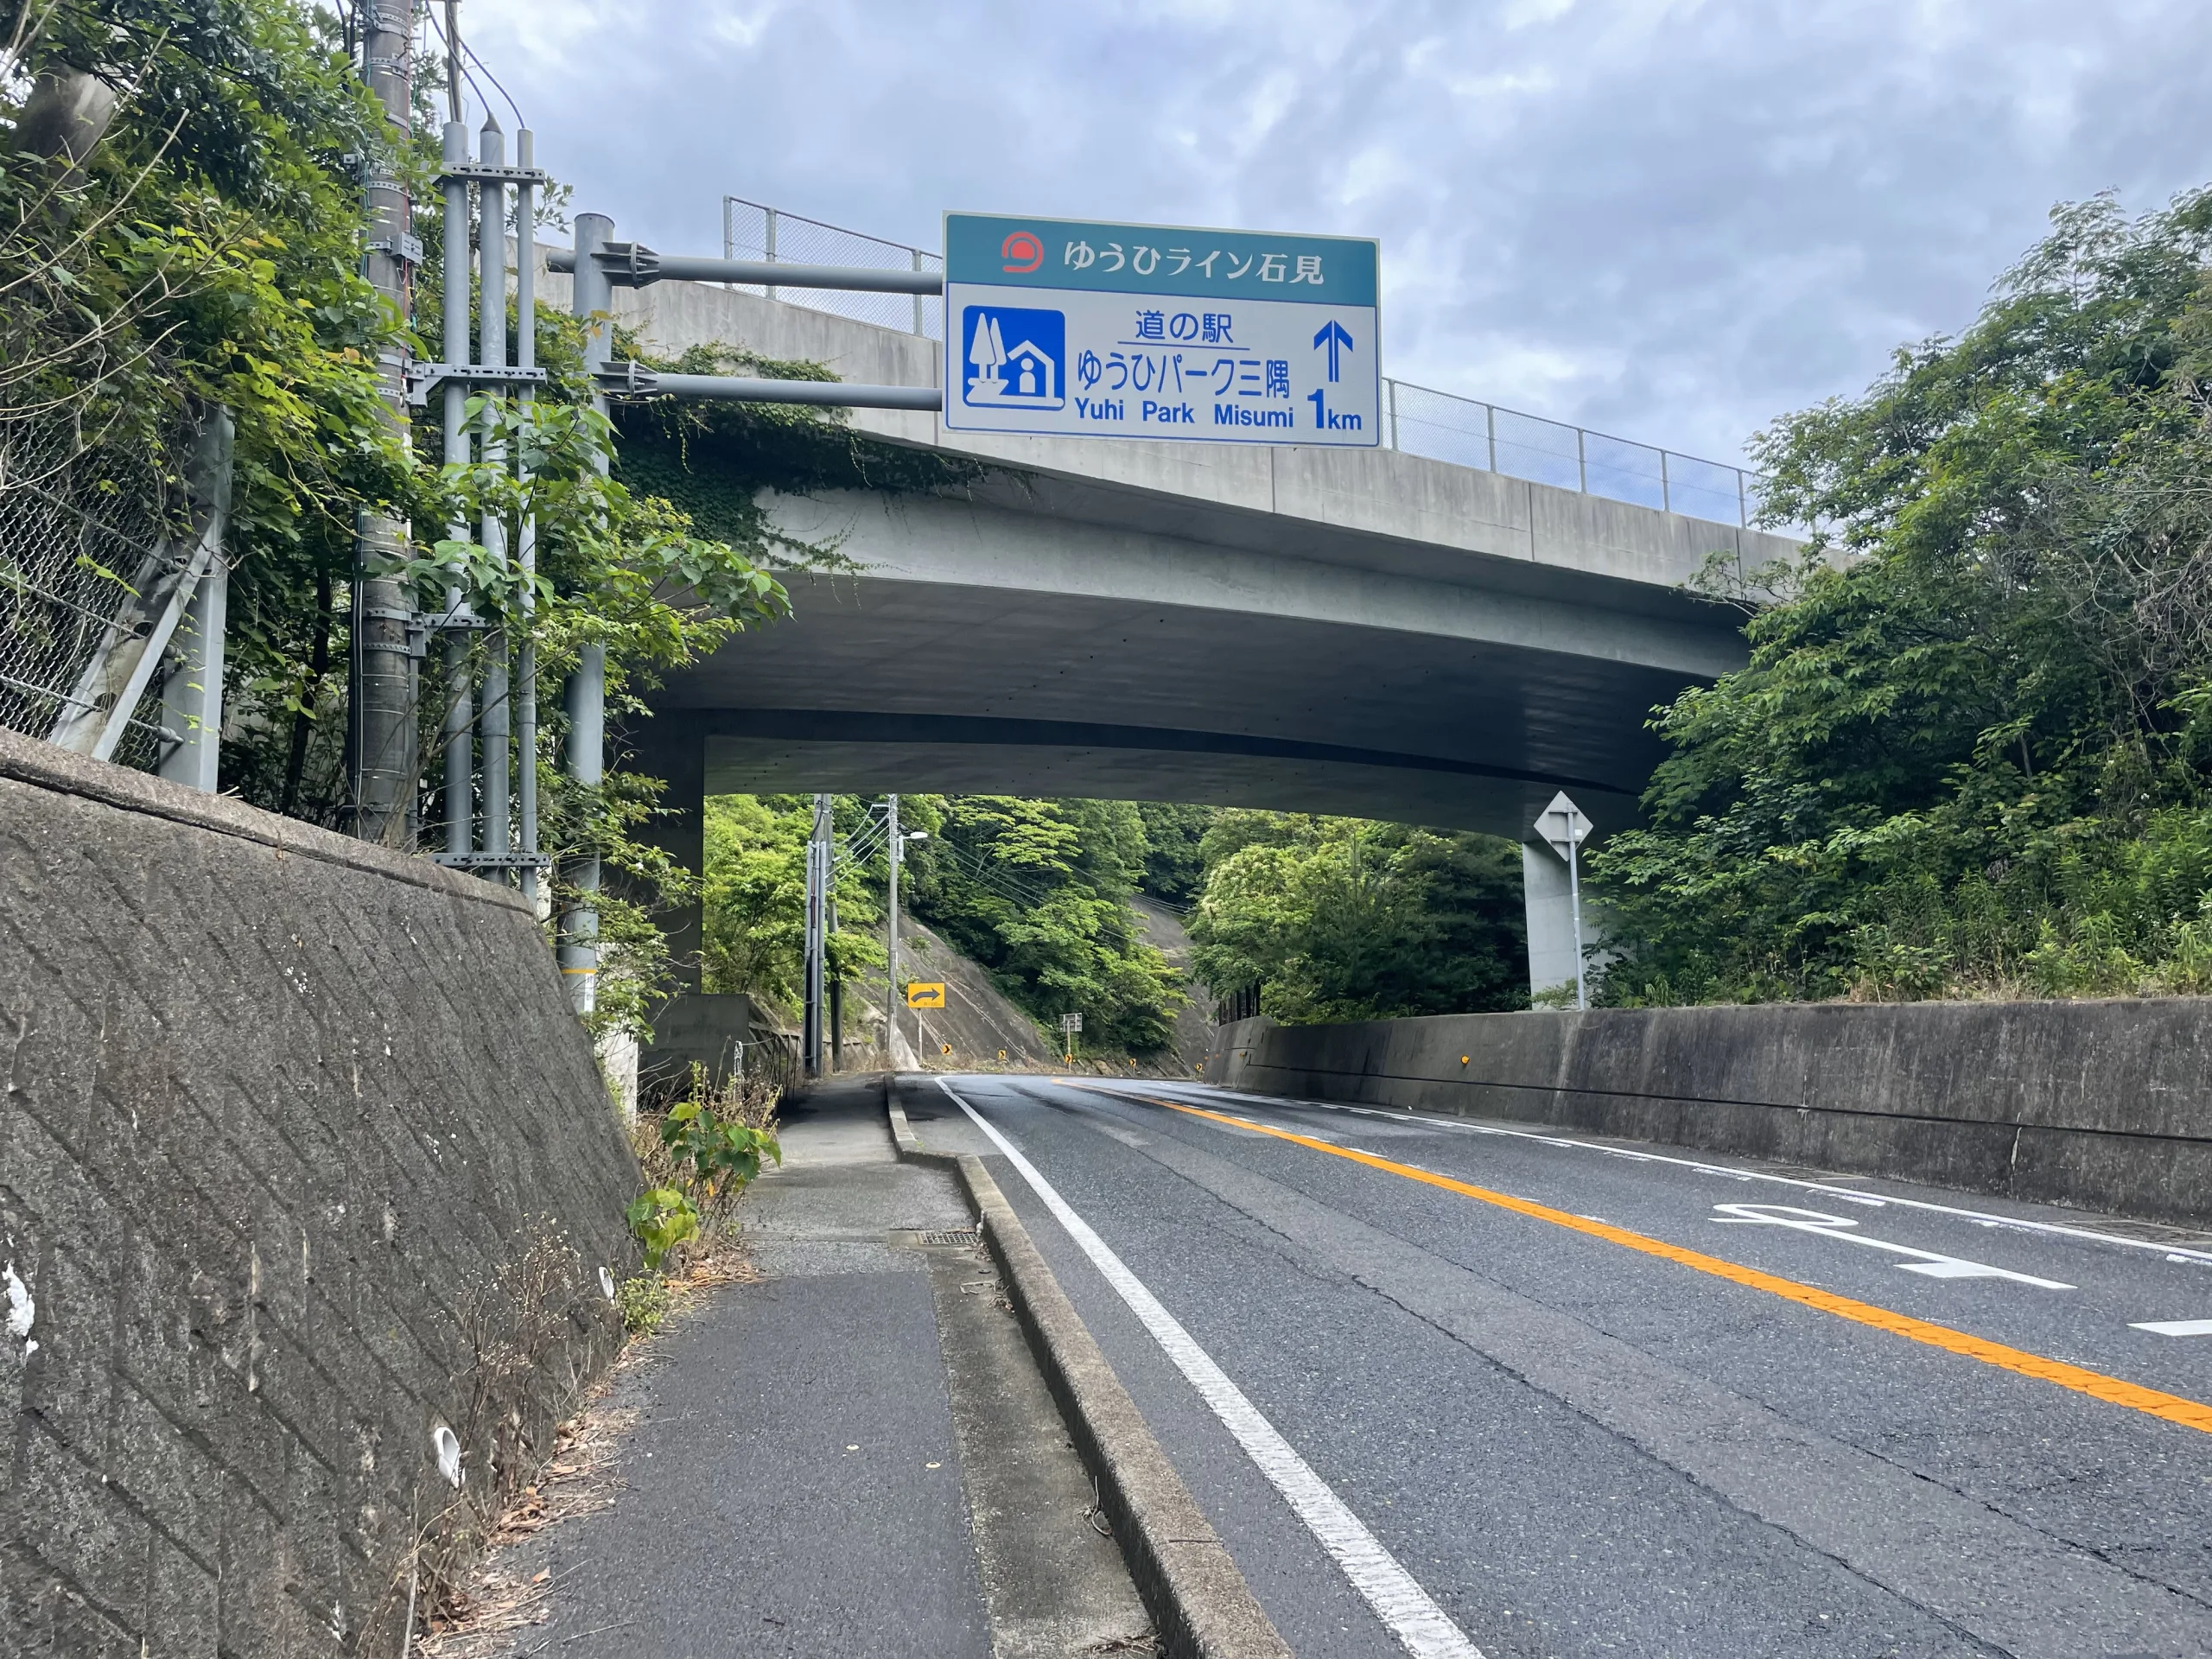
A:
[(1194, 1022), (981, 1030)]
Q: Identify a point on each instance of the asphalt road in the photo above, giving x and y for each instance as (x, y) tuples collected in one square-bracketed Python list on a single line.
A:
[(1621, 1400)]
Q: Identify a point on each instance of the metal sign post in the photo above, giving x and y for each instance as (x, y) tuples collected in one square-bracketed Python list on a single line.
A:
[(1565, 828), (1070, 1025), (1078, 329), (924, 994)]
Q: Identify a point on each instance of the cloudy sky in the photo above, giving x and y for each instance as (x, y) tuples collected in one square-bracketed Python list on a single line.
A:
[(1671, 219)]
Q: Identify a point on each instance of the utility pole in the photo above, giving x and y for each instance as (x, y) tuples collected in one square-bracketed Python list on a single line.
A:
[(897, 844), (494, 725), (384, 690), (837, 987), (818, 856)]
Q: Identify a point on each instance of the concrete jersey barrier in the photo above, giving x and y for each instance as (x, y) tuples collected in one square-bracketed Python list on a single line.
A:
[(2104, 1105)]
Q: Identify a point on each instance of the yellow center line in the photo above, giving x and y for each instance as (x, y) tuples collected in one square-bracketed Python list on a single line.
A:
[(2172, 1408)]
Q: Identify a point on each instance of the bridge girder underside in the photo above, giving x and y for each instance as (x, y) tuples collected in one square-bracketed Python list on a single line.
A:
[(879, 683)]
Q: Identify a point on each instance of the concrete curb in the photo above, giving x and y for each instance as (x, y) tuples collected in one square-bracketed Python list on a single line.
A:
[(1197, 1596)]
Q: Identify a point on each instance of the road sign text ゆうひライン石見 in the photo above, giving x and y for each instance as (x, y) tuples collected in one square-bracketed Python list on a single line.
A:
[(1081, 329)]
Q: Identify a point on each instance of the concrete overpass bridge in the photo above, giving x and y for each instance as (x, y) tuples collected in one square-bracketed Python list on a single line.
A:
[(1360, 632)]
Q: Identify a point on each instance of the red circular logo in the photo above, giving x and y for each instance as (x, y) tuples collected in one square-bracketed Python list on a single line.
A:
[(1022, 251)]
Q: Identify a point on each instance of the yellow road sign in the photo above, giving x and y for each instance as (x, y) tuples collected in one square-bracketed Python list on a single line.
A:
[(925, 993)]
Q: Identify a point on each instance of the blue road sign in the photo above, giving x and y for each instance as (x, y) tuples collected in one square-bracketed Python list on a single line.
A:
[(1079, 328)]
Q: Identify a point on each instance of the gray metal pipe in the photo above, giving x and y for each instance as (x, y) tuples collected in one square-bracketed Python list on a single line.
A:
[(494, 721), (644, 267), (591, 296), (461, 714), (526, 536)]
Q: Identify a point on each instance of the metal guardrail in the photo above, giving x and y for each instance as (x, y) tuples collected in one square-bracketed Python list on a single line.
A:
[(1418, 420)]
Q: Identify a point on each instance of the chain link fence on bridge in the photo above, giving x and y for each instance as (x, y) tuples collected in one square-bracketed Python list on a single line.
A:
[(1469, 433), (1419, 420), (751, 230), (83, 532)]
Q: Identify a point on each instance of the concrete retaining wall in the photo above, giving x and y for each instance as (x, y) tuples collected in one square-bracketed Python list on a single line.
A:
[(286, 1121), (2104, 1105)]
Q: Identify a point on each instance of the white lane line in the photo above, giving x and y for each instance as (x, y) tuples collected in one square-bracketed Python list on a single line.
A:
[(1422, 1628), (1981, 1217), (2177, 1327), (1933, 1263)]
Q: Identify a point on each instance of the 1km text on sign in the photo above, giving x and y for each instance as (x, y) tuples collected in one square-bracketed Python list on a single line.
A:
[(1081, 329)]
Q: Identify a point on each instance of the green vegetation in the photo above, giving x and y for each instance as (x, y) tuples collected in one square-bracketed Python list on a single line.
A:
[(643, 1300), (1037, 892), (1969, 755), (1174, 863), (755, 900), (1340, 918), (205, 252), (711, 1145), (697, 1161), (662, 1218), (1325, 919)]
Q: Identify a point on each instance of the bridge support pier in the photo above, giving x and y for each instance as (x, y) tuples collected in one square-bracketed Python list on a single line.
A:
[(672, 747), (1549, 907)]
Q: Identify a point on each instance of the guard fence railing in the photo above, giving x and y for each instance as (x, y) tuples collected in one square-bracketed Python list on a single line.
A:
[(83, 534), (1418, 420)]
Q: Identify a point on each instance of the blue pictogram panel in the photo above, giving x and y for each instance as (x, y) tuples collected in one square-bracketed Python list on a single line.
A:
[(1015, 358)]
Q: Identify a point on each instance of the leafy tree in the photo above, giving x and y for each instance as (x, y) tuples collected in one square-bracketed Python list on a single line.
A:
[(1968, 755), (754, 898), (1174, 867), (1340, 918)]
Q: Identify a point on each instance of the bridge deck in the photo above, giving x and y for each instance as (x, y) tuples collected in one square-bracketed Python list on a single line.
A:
[(1360, 632)]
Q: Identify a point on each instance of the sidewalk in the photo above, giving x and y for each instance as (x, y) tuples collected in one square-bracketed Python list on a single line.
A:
[(855, 1455)]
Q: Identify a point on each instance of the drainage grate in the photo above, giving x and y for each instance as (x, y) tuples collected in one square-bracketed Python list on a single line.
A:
[(952, 1238)]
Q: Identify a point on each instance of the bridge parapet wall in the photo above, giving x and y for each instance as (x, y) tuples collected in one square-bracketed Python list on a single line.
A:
[(287, 1123), (1383, 494), (2104, 1105)]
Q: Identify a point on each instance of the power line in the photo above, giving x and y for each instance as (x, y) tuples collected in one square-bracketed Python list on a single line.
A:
[(516, 109), (461, 59)]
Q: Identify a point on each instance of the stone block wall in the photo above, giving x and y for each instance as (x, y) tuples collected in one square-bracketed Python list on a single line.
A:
[(2106, 1105), (303, 1159)]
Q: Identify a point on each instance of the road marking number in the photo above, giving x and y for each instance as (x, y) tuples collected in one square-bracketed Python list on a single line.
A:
[(1934, 1264)]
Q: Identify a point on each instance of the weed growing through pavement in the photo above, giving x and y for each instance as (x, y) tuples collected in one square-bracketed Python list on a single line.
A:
[(697, 1161)]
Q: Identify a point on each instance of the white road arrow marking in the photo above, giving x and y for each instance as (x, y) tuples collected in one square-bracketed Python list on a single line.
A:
[(1932, 1263)]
